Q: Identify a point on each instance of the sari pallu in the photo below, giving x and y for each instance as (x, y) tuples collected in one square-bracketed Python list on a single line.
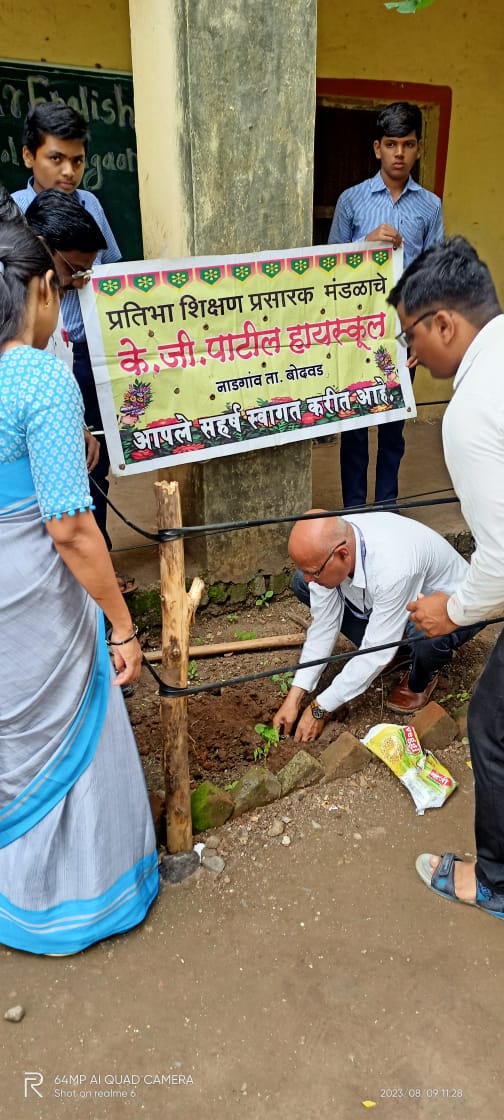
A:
[(77, 850)]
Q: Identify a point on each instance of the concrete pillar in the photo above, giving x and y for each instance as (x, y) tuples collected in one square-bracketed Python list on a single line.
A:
[(225, 111)]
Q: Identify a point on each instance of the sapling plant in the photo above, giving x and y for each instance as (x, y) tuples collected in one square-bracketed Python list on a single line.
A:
[(462, 696), (192, 671), (264, 599), (284, 681), (270, 737)]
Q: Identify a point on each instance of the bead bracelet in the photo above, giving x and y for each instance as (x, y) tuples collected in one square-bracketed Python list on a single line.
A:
[(123, 643)]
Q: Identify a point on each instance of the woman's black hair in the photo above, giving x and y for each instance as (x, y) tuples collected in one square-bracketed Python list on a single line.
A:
[(9, 210), (23, 256)]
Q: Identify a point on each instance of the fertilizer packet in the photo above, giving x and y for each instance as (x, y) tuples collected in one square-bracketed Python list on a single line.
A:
[(426, 779)]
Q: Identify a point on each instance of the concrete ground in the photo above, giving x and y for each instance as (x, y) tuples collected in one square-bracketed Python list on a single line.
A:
[(423, 471), (299, 984), (315, 981)]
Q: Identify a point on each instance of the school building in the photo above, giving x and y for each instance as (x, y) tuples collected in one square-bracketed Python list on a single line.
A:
[(251, 117)]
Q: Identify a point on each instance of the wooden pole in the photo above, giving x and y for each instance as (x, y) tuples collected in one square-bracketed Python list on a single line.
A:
[(177, 612), (247, 645)]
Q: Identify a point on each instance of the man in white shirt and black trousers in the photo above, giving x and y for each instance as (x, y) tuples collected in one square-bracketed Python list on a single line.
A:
[(357, 574), (453, 322)]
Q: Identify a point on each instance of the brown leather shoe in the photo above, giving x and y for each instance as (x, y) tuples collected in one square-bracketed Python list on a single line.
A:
[(400, 660), (402, 699)]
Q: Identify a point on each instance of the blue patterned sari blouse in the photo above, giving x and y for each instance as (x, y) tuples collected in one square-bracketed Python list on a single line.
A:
[(42, 420)]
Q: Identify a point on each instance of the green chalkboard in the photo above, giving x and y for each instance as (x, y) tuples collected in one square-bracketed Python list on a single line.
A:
[(106, 100)]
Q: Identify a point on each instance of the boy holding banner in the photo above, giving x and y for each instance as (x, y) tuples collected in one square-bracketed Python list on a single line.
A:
[(393, 208)]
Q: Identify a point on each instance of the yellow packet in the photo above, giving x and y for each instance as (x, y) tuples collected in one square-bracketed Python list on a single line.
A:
[(428, 781)]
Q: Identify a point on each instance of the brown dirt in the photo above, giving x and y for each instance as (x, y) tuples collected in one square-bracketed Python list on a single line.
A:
[(221, 723)]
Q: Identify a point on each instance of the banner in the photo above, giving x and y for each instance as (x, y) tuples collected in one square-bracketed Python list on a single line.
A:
[(216, 356)]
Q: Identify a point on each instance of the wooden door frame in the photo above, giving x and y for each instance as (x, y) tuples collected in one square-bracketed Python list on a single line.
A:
[(366, 93)]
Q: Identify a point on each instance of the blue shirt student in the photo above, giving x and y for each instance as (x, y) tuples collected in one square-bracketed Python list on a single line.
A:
[(416, 214), (390, 208), (70, 306)]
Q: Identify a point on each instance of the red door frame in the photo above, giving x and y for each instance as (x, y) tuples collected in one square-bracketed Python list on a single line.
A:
[(367, 90)]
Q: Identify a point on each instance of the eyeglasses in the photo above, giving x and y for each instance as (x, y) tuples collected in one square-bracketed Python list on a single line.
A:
[(318, 572), (76, 273), (404, 337)]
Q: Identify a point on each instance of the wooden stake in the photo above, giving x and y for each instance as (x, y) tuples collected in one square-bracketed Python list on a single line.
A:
[(248, 645), (177, 612)]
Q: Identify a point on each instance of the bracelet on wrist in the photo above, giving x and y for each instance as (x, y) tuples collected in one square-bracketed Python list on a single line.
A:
[(130, 638)]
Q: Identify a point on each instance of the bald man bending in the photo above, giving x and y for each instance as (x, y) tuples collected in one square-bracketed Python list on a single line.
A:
[(357, 574)]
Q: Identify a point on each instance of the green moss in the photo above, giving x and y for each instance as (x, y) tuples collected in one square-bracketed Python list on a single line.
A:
[(238, 592), (280, 582), (218, 593), (210, 807), (145, 607)]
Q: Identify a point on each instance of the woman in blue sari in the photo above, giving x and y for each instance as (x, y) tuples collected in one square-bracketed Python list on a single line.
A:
[(77, 849)]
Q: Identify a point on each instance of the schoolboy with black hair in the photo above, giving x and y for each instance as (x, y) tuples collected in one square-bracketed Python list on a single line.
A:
[(55, 144), (399, 119), (50, 120), (72, 234), (390, 207)]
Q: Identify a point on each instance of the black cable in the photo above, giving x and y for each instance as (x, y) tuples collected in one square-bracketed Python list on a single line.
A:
[(174, 692), (423, 404), (177, 693), (189, 531)]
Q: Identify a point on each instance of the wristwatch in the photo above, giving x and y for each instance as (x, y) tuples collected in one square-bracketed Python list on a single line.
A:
[(318, 712)]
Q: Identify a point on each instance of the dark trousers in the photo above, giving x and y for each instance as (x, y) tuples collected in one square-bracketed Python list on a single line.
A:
[(354, 462), (486, 737), (428, 655), (83, 374)]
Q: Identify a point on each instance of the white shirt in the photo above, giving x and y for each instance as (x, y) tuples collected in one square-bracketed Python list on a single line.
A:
[(473, 440), (402, 558)]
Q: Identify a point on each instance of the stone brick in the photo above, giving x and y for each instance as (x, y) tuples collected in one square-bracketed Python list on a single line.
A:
[(257, 787), (301, 770), (210, 807), (344, 756), (280, 581), (435, 727)]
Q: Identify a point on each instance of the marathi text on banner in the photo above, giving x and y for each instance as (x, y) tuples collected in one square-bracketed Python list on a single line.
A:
[(217, 357)]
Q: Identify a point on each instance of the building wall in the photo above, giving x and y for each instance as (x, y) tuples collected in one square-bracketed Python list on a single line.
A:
[(87, 33), (447, 44), (444, 45)]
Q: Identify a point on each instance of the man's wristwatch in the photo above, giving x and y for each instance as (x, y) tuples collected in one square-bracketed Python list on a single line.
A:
[(318, 712)]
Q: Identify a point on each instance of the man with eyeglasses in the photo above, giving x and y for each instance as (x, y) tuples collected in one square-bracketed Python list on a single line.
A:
[(450, 312), (357, 575)]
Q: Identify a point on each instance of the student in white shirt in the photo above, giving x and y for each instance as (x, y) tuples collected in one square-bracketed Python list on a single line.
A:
[(357, 574), (453, 322)]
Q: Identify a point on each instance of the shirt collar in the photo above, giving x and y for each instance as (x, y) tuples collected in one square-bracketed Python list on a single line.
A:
[(31, 189), (377, 184), (484, 337), (359, 576)]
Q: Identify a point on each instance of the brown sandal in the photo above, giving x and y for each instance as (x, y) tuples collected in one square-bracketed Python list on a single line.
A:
[(126, 584)]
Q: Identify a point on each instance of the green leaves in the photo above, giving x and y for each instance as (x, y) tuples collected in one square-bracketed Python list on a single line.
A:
[(269, 735), (284, 681), (409, 7)]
